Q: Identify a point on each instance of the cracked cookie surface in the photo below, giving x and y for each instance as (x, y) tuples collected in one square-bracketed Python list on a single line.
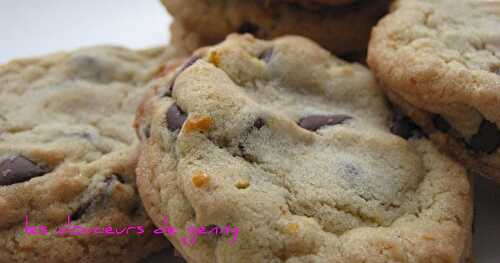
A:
[(294, 147), (439, 61), (341, 29), (68, 153)]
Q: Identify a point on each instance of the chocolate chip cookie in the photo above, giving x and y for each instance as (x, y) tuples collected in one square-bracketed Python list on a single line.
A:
[(341, 29), (439, 61), (316, 4), (68, 156), (297, 151)]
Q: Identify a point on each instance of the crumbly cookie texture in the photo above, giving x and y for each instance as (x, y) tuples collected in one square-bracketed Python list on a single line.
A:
[(67, 149), (440, 62), (341, 29), (294, 147)]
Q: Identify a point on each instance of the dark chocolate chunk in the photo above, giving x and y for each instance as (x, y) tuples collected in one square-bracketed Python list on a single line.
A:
[(315, 122), (18, 169), (266, 55), (441, 123), (248, 27), (175, 118), (487, 139), (190, 62), (259, 123)]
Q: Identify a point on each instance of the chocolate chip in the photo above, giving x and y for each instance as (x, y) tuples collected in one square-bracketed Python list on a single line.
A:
[(441, 123), (315, 122), (18, 169), (487, 139), (259, 123), (248, 27), (190, 62), (266, 55), (175, 118)]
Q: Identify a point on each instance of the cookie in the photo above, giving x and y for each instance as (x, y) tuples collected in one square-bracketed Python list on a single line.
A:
[(439, 61), (318, 4), (294, 156), (341, 29), (68, 155), (186, 41)]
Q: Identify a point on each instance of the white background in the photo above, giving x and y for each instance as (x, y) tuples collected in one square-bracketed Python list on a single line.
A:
[(36, 27)]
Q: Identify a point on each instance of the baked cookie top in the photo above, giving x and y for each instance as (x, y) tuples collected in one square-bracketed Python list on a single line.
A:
[(68, 152), (444, 56), (294, 148)]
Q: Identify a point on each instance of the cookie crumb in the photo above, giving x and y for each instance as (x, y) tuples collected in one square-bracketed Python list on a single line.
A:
[(200, 179), (202, 124), (242, 184)]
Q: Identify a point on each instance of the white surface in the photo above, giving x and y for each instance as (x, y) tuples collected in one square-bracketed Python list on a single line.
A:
[(36, 27)]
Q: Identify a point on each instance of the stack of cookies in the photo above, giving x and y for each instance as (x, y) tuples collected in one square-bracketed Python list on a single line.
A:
[(257, 138), (341, 26)]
